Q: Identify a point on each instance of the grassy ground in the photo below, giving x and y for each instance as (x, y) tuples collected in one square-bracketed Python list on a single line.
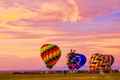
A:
[(80, 76)]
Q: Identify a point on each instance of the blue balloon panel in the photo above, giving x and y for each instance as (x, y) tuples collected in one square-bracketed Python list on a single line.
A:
[(76, 61)]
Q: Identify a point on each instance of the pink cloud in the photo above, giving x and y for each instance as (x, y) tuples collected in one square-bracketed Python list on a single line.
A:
[(12, 62), (90, 8), (70, 10)]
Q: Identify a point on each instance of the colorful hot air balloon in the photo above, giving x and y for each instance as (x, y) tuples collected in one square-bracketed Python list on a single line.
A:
[(50, 54), (99, 62), (75, 61)]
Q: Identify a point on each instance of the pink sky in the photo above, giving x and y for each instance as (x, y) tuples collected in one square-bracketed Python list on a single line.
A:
[(88, 26)]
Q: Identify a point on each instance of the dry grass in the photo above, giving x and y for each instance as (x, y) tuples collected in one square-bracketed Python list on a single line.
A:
[(80, 76)]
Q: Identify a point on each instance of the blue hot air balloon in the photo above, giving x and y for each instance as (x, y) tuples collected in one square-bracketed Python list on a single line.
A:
[(75, 61)]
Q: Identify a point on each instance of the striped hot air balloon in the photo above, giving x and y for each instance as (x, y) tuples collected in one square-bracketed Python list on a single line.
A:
[(50, 54), (99, 62)]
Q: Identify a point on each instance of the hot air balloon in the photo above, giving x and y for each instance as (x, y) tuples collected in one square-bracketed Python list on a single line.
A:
[(75, 61), (50, 54), (99, 62)]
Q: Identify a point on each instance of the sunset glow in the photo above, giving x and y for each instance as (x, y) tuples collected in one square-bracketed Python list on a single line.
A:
[(85, 25)]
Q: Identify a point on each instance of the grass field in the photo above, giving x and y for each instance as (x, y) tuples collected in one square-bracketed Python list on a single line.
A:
[(80, 76)]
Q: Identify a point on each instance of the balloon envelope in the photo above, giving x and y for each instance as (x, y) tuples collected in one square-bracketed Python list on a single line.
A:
[(100, 62), (50, 54), (76, 61)]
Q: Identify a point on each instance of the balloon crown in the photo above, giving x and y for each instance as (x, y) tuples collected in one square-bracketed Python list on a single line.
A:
[(72, 52)]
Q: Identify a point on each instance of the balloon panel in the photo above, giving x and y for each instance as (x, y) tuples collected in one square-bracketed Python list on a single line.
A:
[(109, 58), (50, 54)]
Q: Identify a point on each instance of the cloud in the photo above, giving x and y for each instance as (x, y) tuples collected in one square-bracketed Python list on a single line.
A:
[(69, 10), (52, 11), (113, 46), (14, 13), (45, 10), (13, 62), (26, 28), (26, 55), (89, 9)]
